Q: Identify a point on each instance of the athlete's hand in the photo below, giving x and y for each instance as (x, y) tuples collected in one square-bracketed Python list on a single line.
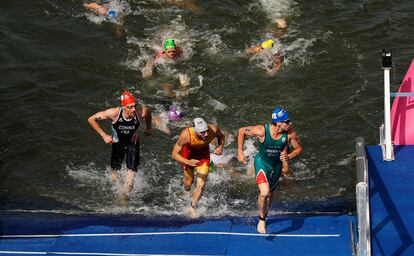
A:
[(284, 156), (241, 157), (218, 151), (193, 162), (184, 80), (107, 138)]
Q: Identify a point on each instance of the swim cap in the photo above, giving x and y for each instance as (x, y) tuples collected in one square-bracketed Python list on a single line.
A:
[(200, 125), (174, 114), (111, 14), (268, 44), (279, 115), (127, 98), (169, 43)]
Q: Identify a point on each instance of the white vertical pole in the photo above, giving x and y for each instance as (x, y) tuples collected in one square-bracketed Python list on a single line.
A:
[(387, 115)]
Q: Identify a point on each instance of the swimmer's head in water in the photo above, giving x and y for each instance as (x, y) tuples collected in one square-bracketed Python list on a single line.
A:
[(169, 43), (112, 14), (127, 98), (268, 44), (174, 114), (279, 115)]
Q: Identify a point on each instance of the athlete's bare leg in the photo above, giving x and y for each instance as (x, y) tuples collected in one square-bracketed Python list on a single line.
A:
[(129, 182), (252, 170), (114, 175), (198, 191), (188, 182), (263, 202)]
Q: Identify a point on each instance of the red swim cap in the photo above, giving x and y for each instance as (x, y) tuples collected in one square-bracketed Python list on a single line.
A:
[(127, 98)]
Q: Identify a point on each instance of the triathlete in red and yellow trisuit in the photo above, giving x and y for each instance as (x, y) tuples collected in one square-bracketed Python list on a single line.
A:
[(199, 149), (194, 144)]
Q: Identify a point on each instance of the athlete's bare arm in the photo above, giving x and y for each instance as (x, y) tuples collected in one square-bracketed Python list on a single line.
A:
[(111, 113), (255, 49), (257, 131), (96, 7), (285, 164), (220, 138), (182, 140), (297, 147), (294, 141), (278, 61), (147, 70), (187, 4), (146, 115)]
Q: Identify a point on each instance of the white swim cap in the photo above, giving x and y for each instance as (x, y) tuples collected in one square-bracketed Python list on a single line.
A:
[(200, 125)]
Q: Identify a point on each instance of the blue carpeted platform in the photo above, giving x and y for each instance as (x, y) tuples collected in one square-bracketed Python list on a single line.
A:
[(133, 235), (392, 201)]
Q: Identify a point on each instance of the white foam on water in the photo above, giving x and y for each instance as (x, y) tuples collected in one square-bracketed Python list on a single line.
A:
[(87, 174), (213, 44), (347, 161), (217, 105), (276, 9)]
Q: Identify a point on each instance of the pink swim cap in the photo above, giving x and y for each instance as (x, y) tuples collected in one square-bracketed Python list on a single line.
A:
[(174, 114)]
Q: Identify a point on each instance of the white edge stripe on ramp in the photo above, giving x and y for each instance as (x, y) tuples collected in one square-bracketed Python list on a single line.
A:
[(169, 233), (96, 253)]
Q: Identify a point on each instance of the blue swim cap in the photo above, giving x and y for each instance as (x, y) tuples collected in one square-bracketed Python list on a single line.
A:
[(112, 14), (279, 115)]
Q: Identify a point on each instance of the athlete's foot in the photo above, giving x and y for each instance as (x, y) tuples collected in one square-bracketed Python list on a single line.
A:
[(261, 227), (192, 213), (122, 200)]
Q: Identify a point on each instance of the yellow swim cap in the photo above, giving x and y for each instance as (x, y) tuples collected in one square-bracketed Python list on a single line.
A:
[(268, 44)]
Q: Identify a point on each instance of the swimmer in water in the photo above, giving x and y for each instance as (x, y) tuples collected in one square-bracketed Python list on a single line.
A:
[(112, 12), (102, 10), (171, 53), (161, 121), (269, 45), (279, 29), (190, 5)]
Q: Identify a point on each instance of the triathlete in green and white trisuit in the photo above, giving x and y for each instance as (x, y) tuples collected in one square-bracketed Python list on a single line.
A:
[(267, 163), (272, 158)]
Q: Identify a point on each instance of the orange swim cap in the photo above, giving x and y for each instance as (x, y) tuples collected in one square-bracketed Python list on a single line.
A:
[(127, 98)]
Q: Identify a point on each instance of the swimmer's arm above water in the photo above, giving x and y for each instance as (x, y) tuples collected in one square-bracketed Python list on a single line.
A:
[(256, 131), (255, 49), (277, 66), (111, 114), (147, 70), (96, 7)]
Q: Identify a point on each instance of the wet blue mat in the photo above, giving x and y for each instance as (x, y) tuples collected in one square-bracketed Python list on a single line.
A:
[(134, 235)]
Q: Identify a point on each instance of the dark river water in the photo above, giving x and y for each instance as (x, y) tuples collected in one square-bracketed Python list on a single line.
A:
[(59, 64)]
